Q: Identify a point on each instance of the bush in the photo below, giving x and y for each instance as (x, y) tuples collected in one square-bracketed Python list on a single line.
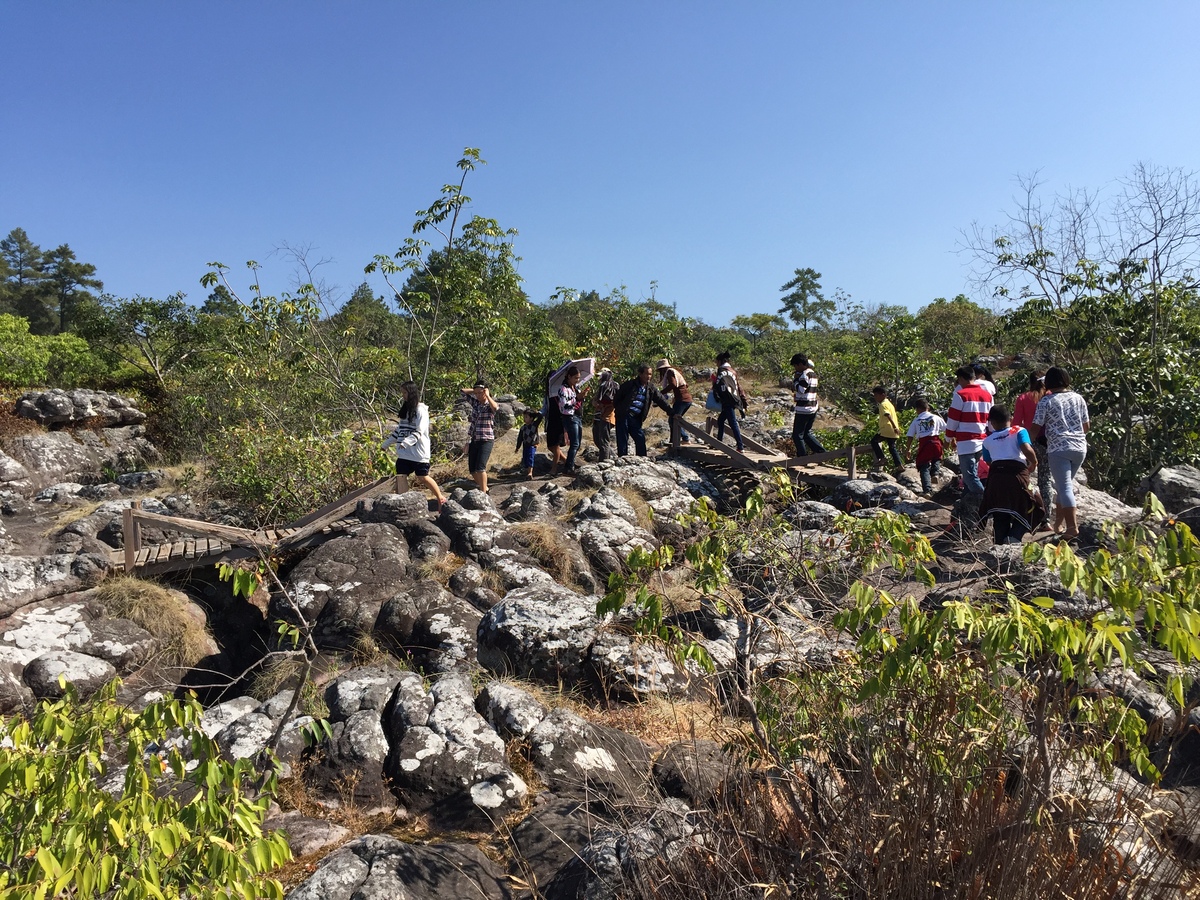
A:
[(77, 825), (280, 476)]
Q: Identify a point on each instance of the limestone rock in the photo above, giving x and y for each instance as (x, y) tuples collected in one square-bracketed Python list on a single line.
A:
[(1177, 487), (543, 631), (692, 770), (87, 673), (578, 759), (27, 579), (863, 493), (510, 710), (605, 525), (55, 456), (342, 585), (59, 407), (432, 625), (306, 835), (634, 670), (377, 866)]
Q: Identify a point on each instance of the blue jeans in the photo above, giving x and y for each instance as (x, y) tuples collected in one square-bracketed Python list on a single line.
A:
[(928, 471), (678, 409), (729, 414), (630, 427), (1064, 466), (968, 464), (802, 434), (575, 436)]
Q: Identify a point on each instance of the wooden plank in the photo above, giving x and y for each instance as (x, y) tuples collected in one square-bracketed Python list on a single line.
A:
[(761, 448), (349, 501), (189, 550), (739, 459), (141, 556), (240, 536), (815, 458), (380, 486), (127, 538)]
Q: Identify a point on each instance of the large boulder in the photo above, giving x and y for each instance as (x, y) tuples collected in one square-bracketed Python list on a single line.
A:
[(606, 527), (342, 585), (632, 669), (87, 674), (1177, 488), (82, 455), (13, 475), (862, 493), (543, 632), (79, 406), (430, 624), (446, 760), (578, 759), (350, 763), (378, 866), (27, 579), (473, 524)]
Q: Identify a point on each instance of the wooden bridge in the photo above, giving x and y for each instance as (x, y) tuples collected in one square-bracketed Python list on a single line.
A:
[(208, 543), (822, 469)]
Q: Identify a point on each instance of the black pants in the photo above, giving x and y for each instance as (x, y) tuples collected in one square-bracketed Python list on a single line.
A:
[(877, 446), (1007, 528), (802, 434)]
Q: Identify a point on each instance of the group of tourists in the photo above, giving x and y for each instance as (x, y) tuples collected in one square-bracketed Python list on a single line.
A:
[(1015, 466), (618, 419)]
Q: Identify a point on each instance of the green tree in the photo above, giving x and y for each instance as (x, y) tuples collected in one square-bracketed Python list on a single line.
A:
[(23, 292), (68, 281), (803, 301), (156, 337), (958, 328)]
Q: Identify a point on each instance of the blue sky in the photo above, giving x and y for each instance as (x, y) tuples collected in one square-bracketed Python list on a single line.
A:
[(710, 147)]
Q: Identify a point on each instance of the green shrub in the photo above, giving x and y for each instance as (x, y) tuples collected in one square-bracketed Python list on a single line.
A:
[(69, 832), (23, 356), (281, 476)]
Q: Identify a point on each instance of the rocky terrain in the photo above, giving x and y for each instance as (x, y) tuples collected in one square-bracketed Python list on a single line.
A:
[(479, 709)]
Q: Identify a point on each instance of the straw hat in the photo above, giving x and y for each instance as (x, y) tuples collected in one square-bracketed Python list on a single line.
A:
[(663, 363)]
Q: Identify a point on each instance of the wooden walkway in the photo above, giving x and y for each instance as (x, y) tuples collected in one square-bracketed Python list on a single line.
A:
[(208, 543), (825, 470)]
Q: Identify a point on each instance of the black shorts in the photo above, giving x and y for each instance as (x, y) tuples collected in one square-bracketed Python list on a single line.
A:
[(411, 467), (478, 454)]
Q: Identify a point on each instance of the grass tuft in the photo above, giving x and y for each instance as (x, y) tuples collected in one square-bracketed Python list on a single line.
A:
[(162, 612)]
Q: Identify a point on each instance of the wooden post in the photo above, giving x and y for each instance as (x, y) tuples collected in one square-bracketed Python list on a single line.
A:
[(851, 464), (137, 526), (676, 432), (128, 538)]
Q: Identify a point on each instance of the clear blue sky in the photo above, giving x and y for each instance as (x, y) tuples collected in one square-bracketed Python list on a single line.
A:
[(711, 147)]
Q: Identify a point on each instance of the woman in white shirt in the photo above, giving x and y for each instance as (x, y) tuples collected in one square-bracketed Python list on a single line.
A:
[(411, 438)]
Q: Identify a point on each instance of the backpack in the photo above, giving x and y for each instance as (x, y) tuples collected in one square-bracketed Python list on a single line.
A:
[(724, 392)]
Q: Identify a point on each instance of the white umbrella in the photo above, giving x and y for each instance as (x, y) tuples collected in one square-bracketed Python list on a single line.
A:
[(586, 367)]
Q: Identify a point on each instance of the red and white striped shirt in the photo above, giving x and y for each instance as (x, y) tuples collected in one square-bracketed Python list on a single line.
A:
[(967, 420)]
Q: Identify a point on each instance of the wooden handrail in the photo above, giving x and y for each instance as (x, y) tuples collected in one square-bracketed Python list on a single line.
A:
[(813, 458), (237, 536), (312, 523)]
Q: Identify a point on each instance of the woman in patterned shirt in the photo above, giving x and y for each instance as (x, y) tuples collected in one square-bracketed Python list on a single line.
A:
[(481, 434), (568, 408), (1062, 416)]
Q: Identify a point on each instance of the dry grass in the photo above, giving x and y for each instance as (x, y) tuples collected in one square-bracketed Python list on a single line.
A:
[(645, 516), (572, 499), (163, 613), (12, 425), (439, 569), (366, 651), (547, 544)]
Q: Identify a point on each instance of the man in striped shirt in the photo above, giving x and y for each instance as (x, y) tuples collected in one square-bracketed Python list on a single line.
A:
[(966, 425), (804, 387)]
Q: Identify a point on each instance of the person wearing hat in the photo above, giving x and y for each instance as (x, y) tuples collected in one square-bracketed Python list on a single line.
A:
[(804, 387), (481, 434), (674, 384)]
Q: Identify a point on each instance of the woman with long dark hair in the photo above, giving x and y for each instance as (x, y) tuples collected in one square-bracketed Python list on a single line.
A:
[(411, 438), (1062, 416), (568, 408)]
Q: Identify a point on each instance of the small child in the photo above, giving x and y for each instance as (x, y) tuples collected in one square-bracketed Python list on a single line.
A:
[(889, 428), (527, 441), (927, 428)]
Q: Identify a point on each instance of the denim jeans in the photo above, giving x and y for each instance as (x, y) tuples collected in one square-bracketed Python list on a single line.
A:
[(928, 471), (1064, 467), (630, 427), (802, 434), (678, 409), (575, 436), (877, 446), (968, 464), (729, 414)]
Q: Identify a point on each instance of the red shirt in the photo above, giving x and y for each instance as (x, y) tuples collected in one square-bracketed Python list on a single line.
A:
[(1024, 409)]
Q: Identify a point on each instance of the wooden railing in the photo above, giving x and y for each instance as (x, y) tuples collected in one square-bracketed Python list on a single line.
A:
[(260, 540)]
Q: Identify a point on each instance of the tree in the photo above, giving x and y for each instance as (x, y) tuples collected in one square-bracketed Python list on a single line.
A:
[(157, 337), (958, 328), (366, 319), (67, 281), (805, 304), (23, 293)]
